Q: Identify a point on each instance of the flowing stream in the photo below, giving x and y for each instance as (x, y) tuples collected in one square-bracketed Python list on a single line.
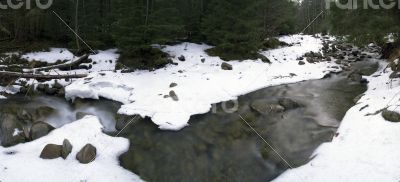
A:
[(220, 146)]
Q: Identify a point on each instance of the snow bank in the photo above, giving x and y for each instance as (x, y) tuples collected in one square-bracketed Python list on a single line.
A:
[(199, 84), (52, 56), (22, 162), (366, 147)]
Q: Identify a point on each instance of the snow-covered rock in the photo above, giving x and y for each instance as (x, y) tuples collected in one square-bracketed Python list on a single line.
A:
[(199, 84), (366, 146), (22, 162)]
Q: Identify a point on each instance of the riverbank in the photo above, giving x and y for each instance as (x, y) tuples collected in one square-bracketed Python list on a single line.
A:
[(364, 148)]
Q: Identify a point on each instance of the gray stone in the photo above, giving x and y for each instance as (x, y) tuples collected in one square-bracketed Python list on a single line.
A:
[(87, 154), (173, 85), (302, 63), (264, 107), (173, 95), (66, 148), (9, 125), (391, 115), (226, 66), (181, 58), (51, 151), (288, 103), (40, 129)]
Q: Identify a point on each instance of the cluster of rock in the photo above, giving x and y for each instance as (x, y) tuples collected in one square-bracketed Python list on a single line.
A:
[(56, 89), (53, 151), (20, 126)]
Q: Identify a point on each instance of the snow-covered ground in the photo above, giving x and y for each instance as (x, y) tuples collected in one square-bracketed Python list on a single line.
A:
[(22, 162), (199, 85), (52, 56), (366, 147)]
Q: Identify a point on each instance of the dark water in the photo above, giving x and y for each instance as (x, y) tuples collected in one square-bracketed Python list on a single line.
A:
[(219, 146)]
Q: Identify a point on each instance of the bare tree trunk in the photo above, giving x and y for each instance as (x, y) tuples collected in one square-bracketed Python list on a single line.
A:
[(38, 76), (78, 46), (62, 66), (147, 13)]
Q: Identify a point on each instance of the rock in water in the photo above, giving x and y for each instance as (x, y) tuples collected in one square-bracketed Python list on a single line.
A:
[(288, 103), (263, 107), (226, 66), (51, 151), (181, 58), (40, 129), (8, 129), (173, 95), (391, 115), (87, 154), (66, 148)]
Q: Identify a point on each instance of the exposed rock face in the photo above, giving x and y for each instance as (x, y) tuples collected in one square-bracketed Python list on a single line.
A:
[(226, 66), (9, 130), (87, 154), (51, 151), (263, 107), (66, 148), (391, 115), (288, 103), (173, 95), (40, 129)]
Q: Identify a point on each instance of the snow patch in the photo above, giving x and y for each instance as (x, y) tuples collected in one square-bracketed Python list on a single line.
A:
[(14, 164), (52, 56), (366, 146), (199, 84)]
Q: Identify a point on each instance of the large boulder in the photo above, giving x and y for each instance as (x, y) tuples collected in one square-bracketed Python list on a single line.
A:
[(66, 148), (264, 107), (288, 103), (391, 115), (51, 151), (87, 154), (40, 129), (10, 130)]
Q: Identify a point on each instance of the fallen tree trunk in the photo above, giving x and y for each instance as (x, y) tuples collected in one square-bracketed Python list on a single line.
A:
[(38, 76), (64, 66)]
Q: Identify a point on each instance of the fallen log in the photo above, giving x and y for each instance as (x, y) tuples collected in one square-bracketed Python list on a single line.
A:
[(39, 76), (64, 66)]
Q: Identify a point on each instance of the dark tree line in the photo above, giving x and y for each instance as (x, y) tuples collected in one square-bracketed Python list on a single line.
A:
[(235, 27)]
